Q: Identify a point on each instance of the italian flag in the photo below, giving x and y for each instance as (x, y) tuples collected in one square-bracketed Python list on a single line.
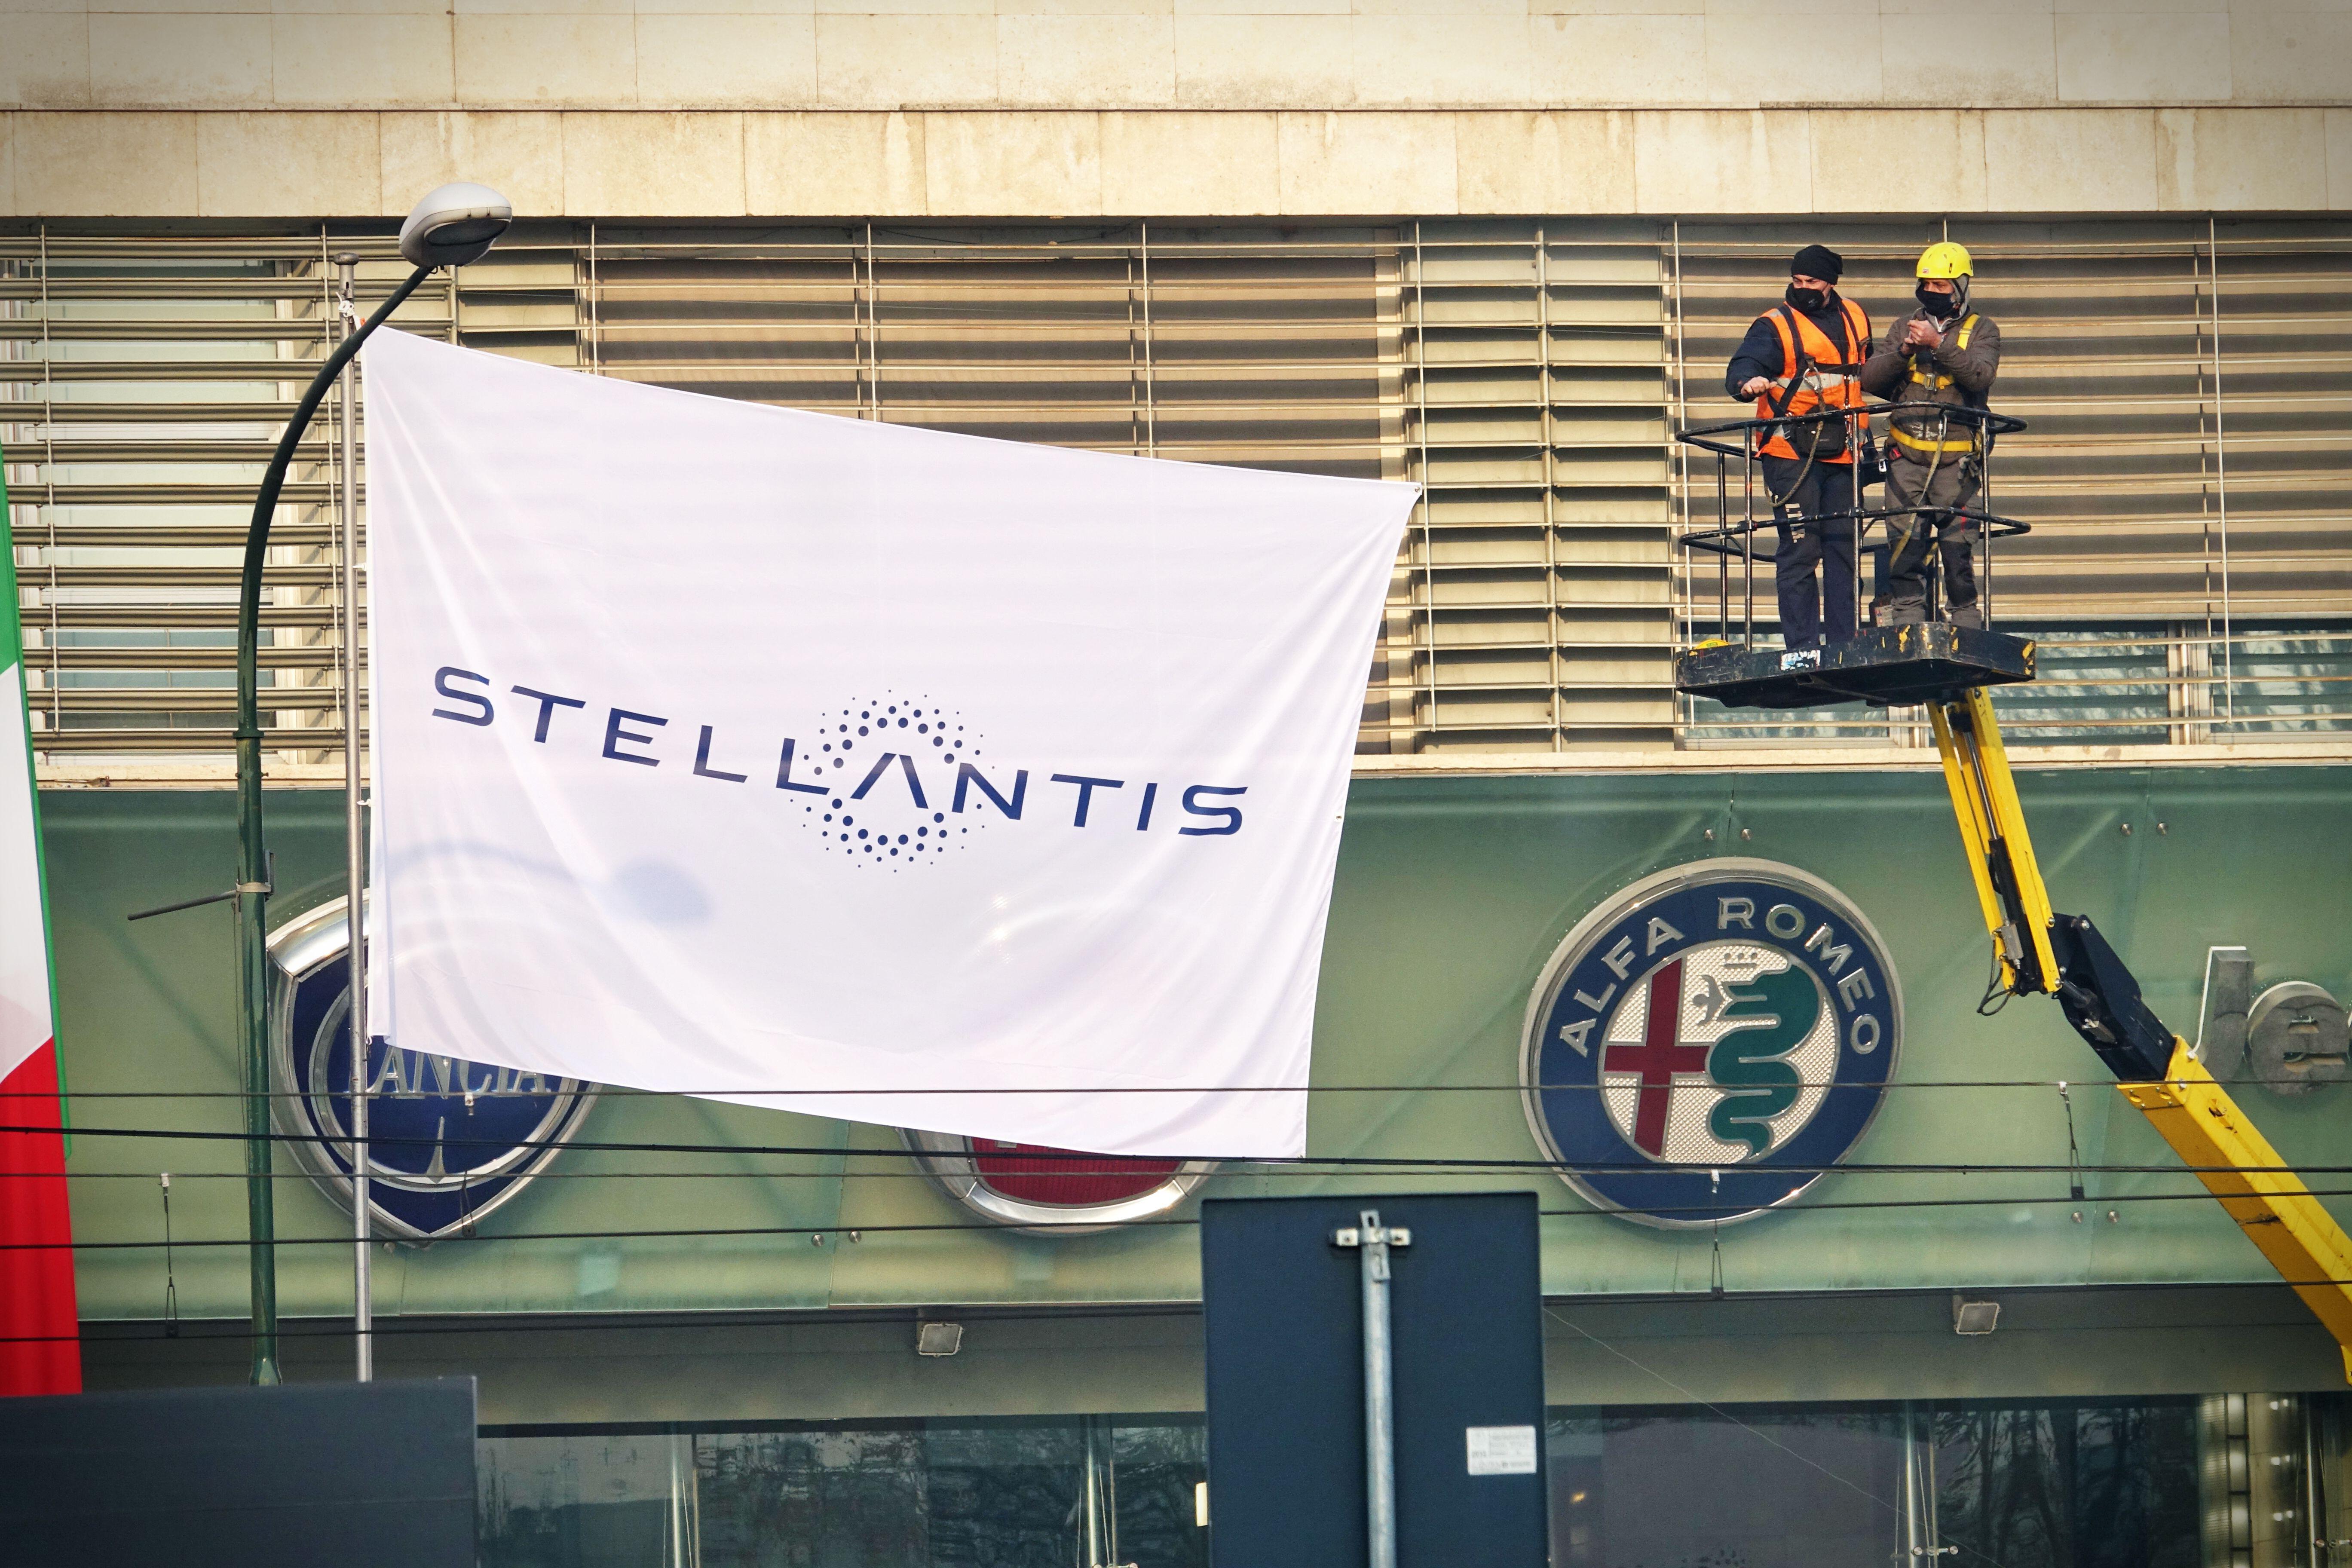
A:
[(40, 1350)]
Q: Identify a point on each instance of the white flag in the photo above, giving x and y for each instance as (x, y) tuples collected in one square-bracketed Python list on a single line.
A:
[(736, 751)]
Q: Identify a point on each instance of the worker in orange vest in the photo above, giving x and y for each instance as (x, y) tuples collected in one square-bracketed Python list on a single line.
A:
[(1943, 353), (1804, 356)]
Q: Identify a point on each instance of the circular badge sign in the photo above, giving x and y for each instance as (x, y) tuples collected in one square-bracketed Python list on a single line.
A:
[(1705, 1043), (449, 1140), (1054, 1192)]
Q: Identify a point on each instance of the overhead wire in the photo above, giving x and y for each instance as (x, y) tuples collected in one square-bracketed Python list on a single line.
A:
[(1691, 1215), (732, 1092), (1352, 1162)]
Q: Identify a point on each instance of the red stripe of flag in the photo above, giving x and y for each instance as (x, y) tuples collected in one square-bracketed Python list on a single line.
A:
[(40, 1350)]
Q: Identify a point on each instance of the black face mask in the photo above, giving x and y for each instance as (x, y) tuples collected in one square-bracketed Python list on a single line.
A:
[(1943, 306), (1809, 299)]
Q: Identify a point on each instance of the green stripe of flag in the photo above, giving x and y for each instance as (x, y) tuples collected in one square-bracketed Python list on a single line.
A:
[(12, 656)]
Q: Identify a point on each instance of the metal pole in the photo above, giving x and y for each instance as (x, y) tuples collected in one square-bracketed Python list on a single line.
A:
[(354, 862), (1380, 1384), (1379, 1395), (252, 860)]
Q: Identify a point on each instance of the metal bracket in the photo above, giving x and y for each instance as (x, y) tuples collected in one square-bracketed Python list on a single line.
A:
[(2229, 997), (236, 890)]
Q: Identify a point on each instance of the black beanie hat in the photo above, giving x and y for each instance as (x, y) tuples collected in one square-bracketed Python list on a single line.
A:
[(1817, 261)]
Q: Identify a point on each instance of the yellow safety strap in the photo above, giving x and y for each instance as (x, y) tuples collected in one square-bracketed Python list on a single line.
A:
[(1917, 444), (1960, 341)]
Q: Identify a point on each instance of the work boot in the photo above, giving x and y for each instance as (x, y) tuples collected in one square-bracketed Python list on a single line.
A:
[(1969, 615)]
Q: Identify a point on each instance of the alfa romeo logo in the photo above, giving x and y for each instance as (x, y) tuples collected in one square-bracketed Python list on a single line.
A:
[(1703, 1044)]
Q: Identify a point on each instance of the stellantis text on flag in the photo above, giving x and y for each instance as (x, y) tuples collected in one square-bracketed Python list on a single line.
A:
[(625, 736)]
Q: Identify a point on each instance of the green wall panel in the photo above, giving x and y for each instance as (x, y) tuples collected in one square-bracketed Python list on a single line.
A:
[(1450, 894)]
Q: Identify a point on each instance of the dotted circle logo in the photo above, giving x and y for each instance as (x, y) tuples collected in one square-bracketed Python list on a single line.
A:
[(889, 764)]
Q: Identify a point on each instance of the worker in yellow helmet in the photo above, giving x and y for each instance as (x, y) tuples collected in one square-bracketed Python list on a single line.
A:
[(1944, 353)]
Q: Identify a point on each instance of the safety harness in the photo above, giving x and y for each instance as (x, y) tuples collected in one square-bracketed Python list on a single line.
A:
[(1935, 384)]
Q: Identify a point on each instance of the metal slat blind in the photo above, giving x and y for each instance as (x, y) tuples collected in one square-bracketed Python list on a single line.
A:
[(2189, 390), (1537, 424), (2186, 472), (146, 380)]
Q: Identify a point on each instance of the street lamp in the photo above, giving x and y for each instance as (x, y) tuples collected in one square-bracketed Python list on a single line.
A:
[(451, 226)]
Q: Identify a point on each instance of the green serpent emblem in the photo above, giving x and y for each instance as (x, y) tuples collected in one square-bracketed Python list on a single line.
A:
[(1771, 1015)]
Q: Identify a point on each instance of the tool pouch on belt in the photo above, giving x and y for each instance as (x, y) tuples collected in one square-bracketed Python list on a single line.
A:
[(1869, 463), (1818, 441)]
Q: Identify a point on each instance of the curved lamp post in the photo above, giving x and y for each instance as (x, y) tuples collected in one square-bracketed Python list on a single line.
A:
[(451, 226)]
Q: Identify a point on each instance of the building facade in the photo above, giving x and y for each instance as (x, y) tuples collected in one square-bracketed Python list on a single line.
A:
[(1498, 248)]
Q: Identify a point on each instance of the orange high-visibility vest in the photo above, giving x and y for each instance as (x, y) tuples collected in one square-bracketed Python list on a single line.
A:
[(1831, 379)]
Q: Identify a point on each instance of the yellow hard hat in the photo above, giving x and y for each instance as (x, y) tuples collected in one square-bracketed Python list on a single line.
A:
[(1947, 261)]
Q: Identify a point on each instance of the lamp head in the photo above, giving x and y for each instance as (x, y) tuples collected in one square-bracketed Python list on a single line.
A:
[(455, 224)]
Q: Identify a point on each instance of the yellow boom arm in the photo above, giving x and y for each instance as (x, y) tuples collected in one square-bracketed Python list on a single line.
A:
[(1992, 826), (2270, 1202), (2065, 957)]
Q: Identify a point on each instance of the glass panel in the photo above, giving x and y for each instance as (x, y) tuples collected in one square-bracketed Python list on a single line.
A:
[(2070, 1485), (1083, 1491), (1769, 1488), (588, 1502), (2101, 687), (2026, 1484)]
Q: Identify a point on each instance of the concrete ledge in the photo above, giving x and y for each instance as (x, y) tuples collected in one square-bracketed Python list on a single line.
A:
[(847, 1365), (1843, 759), (2330, 753), (624, 161)]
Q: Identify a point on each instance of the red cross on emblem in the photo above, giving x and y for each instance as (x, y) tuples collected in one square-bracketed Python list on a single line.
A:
[(1660, 1058)]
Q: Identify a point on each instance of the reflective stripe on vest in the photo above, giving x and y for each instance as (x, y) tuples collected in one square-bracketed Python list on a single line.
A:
[(1814, 394)]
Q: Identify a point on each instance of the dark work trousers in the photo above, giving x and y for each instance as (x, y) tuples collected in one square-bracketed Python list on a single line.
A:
[(1813, 569), (1927, 534)]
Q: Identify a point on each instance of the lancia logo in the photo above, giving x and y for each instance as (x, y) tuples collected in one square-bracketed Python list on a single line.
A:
[(1701, 1044), (449, 1141)]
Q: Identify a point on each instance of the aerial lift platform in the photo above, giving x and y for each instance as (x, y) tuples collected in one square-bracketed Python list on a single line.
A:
[(1949, 670)]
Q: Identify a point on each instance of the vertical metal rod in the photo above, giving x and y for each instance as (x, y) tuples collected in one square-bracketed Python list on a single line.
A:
[(347, 533), (595, 308), (1090, 1493), (2222, 483), (1421, 400), (49, 496), (2316, 1541), (1857, 427), (1683, 566), (1747, 558), (872, 330), (1911, 1541), (1379, 1389), (1554, 672), (1151, 393), (1722, 556), (1984, 529)]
